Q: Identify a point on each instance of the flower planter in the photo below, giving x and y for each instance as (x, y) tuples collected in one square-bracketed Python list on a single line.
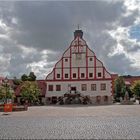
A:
[(8, 107)]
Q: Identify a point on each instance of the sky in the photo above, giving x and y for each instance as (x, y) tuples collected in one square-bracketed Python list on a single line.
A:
[(34, 34)]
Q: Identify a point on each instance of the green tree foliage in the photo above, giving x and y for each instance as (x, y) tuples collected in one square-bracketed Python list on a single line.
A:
[(24, 77), (31, 76), (6, 92), (120, 87), (16, 81), (135, 88), (128, 88), (30, 91)]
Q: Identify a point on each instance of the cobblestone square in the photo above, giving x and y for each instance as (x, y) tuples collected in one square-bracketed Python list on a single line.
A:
[(72, 122)]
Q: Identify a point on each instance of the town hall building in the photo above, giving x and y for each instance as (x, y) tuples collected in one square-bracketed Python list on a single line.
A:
[(79, 77)]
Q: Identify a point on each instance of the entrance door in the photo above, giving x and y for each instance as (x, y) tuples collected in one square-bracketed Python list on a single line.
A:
[(54, 100), (73, 89)]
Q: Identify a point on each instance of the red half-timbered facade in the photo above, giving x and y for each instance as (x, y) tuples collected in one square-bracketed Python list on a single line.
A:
[(80, 70)]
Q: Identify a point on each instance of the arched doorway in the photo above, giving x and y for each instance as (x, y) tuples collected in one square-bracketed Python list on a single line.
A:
[(98, 99), (105, 98), (54, 100)]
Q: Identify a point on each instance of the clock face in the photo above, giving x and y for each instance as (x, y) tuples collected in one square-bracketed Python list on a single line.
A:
[(81, 48), (78, 47)]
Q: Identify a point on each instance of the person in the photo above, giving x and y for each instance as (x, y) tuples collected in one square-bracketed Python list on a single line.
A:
[(26, 104)]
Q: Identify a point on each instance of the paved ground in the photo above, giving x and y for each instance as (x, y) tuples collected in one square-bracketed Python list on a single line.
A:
[(73, 122)]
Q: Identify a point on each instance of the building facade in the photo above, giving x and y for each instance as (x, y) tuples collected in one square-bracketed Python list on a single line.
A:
[(80, 72)]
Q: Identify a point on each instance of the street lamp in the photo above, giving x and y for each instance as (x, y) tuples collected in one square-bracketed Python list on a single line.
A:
[(7, 106), (6, 86)]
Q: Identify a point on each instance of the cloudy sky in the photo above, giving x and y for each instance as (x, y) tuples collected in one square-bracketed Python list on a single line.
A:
[(34, 35)]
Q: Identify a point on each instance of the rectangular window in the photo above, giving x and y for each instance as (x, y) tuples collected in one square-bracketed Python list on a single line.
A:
[(90, 59), (99, 74), (66, 75), (82, 75), (90, 74), (58, 75), (50, 88), (83, 87), (93, 87), (58, 87), (66, 60), (103, 86), (74, 75)]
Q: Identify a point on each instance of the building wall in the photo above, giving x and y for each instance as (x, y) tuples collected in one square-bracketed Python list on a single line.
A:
[(79, 59), (78, 84)]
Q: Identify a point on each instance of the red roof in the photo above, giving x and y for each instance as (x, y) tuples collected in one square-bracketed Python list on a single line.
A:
[(114, 76), (131, 79), (42, 86)]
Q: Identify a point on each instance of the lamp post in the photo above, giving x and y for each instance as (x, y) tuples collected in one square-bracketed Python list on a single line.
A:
[(6, 86), (7, 106)]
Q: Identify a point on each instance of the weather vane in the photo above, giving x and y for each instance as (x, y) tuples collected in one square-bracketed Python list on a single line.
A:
[(78, 26)]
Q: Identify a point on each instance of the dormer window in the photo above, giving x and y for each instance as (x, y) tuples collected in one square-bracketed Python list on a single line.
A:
[(82, 75), (99, 74), (74, 75), (66, 75), (90, 59), (58, 75), (90, 75)]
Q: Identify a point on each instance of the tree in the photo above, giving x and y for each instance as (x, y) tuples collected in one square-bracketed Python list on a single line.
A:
[(16, 81), (24, 77), (31, 76), (6, 92), (135, 88), (30, 91), (120, 88)]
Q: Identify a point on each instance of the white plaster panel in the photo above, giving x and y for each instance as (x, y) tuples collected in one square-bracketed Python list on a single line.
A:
[(66, 71), (83, 70), (75, 70), (90, 63), (66, 64), (107, 75), (99, 70), (67, 53), (82, 42), (78, 62), (58, 71), (90, 53), (59, 64), (50, 76), (91, 70), (98, 63)]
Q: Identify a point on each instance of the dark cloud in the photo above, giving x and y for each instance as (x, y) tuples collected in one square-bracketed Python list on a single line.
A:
[(121, 64), (129, 20), (30, 28)]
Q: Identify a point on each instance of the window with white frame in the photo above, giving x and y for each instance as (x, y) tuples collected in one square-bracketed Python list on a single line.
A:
[(83, 87), (93, 87), (103, 86)]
